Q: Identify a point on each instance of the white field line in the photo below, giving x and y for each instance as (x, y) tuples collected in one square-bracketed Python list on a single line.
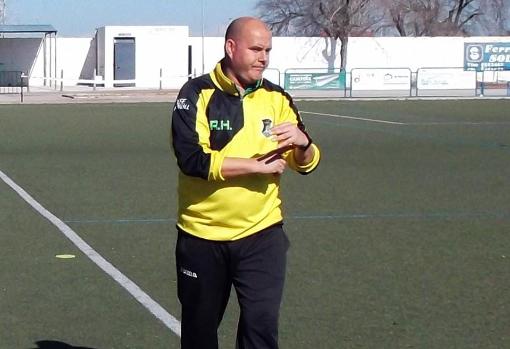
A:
[(157, 310), (354, 118), (432, 123)]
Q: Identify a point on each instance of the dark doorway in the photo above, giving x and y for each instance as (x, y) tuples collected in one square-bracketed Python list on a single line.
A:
[(124, 60)]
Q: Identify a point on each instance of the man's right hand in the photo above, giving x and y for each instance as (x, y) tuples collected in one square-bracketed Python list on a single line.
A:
[(274, 164)]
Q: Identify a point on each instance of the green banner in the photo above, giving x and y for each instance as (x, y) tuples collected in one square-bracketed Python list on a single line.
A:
[(315, 81)]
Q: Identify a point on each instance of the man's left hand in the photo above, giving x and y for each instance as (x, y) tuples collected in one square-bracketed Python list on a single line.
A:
[(288, 134)]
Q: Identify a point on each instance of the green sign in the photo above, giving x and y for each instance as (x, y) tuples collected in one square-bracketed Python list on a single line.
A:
[(315, 81)]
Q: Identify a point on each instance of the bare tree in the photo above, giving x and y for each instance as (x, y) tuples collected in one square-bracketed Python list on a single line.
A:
[(433, 17), (412, 17), (460, 14), (495, 19), (333, 19)]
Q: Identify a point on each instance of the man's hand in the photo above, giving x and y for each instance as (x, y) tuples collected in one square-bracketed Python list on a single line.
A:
[(274, 164), (288, 134)]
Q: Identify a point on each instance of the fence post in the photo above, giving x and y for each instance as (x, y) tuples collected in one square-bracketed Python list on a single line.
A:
[(94, 78), (482, 87), (21, 96), (61, 80), (160, 78)]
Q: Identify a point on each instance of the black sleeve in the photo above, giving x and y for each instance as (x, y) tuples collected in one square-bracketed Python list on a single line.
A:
[(191, 158)]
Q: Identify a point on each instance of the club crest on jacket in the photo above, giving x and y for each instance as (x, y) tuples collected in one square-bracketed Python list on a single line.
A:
[(266, 128)]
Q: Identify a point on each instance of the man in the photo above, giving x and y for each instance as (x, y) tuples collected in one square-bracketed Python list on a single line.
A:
[(234, 134)]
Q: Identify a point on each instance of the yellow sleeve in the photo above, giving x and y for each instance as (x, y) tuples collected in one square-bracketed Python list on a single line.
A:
[(290, 113), (303, 169)]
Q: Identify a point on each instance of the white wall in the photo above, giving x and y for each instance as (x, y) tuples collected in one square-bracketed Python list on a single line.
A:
[(213, 52), (156, 47), (76, 58), (166, 47), (413, 53), (287, 52), (73, 58), (363, 52)]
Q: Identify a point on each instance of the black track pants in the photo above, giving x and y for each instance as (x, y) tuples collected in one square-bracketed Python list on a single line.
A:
[(206, 271)]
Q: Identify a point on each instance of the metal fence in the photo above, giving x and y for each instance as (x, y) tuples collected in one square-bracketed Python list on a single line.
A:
[(396, 82), (12, 82), (333, 83)]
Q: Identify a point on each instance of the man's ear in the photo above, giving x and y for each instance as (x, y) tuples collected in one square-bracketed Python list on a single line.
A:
[(230, 48)]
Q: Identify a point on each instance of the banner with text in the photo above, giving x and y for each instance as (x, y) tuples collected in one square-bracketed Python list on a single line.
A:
[(381, 79), (445, 79), (487, 56), (315, 81)]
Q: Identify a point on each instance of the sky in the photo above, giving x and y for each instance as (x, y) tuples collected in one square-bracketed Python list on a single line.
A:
[(80, 18)]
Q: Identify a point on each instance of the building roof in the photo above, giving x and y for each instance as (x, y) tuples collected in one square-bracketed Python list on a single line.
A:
[(34, 28)]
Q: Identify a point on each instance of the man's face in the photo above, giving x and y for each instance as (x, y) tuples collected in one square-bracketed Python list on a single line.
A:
[(250, 54)]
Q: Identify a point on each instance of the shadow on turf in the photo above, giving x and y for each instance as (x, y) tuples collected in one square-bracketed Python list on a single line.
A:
[(56, 345)]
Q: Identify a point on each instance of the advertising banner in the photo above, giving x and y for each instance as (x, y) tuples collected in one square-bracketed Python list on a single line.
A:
[(381, 79), (487, 56), (315, 81), (445, 79)]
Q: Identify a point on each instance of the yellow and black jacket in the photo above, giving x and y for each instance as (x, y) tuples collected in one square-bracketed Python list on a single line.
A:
[(211, 121)]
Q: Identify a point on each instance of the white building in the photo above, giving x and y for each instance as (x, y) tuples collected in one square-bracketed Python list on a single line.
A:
[(164, 57)]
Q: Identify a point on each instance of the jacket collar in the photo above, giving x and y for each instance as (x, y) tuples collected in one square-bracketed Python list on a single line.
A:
[(224, 83)]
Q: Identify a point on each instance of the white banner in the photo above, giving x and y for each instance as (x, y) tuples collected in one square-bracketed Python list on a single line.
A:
[(381, 79), (446, 79)]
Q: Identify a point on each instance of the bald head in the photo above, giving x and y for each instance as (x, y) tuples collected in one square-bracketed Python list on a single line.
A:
[(238, 27)]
